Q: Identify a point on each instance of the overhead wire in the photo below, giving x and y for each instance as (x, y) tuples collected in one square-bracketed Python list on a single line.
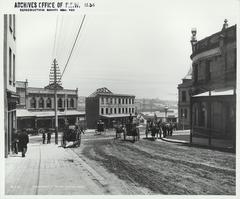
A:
[(80, 27)]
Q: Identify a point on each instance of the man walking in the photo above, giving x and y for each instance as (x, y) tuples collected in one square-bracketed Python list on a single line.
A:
[(48, 137), (23, 141), (15, 141), (43, 137)]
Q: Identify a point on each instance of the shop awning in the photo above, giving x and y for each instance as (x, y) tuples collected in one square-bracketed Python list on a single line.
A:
[(27, 113), (219, 92)]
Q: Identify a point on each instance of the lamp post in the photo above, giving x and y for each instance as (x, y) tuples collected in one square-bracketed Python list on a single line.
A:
[(166, 109), (190, 92), (183, 115)]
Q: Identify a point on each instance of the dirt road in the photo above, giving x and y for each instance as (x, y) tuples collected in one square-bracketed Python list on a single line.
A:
[(157, 167)]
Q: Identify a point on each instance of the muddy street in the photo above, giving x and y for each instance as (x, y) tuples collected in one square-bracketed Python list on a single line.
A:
[(158, 167)]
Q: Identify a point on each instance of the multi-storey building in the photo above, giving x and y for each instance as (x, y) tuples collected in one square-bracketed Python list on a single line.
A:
[(213, 101), (36, 106), (108, 107), (10, 97), (184, 101)]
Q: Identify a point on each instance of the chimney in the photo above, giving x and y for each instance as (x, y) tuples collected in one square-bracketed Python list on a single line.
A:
[(193, 38)]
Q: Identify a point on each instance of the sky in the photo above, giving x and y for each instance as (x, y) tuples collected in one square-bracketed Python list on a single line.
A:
[(131, 47)]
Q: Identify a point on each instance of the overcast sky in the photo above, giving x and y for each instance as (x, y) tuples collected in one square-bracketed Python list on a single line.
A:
[(141, 48)]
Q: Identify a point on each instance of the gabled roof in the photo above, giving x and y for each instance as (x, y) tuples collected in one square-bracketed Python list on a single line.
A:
[(101, 91)]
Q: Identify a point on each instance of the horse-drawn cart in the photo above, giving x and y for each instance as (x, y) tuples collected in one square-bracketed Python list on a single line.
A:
[(71, 136)]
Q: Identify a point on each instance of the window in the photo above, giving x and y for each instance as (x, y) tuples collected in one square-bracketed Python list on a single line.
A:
[(129, 110), (181, 112), (115, 100), (208, 71), (49, 103), (14, 27), (119, 110), (123, 100), (185, 113), (132, 110), (10, 66), (60, 103), (10, 23), (106, 110), (41, 103), (110, 100), (13, 69), (184, 96), (126, 110), (102, 100), (110, 110), (202, 115), (119, 100), (115, 110), (102, 111), (72, 103), (195, 73), (126, 100), (122, 110), (33, 103)]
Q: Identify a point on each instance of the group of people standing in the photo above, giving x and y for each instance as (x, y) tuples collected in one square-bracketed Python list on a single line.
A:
[(19, 141), (44, 136)]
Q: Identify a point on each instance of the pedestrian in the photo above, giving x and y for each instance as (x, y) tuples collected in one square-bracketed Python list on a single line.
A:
[(48, 137), (171, 129), (43, 137), (23, 141), (15, 141), (130, 118)]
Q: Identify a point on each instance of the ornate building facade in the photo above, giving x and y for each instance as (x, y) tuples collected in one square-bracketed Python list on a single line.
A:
[(36, 106), (109, 107), (213, 101)]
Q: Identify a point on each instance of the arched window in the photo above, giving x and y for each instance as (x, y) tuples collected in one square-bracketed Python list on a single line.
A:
[(41, 103), (60, 103), (33, 103), (72, 103), (49, 103)]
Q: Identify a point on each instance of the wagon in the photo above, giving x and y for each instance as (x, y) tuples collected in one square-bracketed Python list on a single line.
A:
[(131, 129), (71, 137), (100, 127)]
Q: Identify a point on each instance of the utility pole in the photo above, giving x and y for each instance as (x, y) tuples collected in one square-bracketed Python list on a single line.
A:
[(55, 100)]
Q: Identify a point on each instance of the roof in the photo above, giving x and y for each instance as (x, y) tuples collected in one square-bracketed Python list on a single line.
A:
[(27, 113), (49, 91), (159, 114), (116, 115), (106, 92)]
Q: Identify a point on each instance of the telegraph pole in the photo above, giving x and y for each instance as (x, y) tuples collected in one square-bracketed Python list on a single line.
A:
[(55, 99)]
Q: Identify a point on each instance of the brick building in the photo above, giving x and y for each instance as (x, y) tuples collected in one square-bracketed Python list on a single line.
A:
[(213, 101), (109, 107), (9, 80), (36, 106), (184, 101)]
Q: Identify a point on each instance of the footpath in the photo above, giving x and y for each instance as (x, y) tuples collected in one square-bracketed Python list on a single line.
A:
[(183, 137), (49, 169)]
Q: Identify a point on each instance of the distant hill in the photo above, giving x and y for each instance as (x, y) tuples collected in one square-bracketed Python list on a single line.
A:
[(141, 104)]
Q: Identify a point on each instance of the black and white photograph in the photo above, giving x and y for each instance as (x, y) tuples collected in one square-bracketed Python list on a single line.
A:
[(127, 98)]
